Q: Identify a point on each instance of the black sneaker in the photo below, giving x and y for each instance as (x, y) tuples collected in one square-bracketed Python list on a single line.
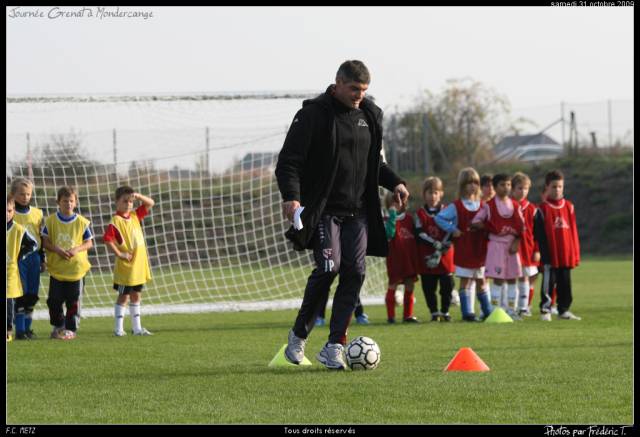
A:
[(22, 336), (435, 317), (471, 318), (410, 320), (31, 335), (446, 317), (391, 320)]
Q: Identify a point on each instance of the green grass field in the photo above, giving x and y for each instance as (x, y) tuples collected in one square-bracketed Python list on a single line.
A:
[(212, 369)]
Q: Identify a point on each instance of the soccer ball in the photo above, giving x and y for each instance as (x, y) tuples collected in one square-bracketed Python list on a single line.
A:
[(363, 354)]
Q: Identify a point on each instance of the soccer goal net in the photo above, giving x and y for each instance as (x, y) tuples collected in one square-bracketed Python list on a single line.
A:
[(215, 236)]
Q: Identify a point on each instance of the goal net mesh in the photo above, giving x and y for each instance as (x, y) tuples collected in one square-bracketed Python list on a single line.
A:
[(215, 237)]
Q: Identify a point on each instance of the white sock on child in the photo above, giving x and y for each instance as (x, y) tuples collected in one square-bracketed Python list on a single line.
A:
[(119, 316), (134, 310), (523, 294)]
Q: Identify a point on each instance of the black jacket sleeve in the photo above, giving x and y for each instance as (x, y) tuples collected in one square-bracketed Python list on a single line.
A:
[(540, 234), (387, 177), (292, 157)]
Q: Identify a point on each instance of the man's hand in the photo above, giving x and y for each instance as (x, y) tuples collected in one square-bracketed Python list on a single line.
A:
[(289, 208), (400, 194)]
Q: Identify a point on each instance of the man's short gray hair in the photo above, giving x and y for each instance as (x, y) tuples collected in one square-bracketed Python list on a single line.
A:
[(353, 71)]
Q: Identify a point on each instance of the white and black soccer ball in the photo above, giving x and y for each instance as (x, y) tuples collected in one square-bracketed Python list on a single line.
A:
[(363, 354)]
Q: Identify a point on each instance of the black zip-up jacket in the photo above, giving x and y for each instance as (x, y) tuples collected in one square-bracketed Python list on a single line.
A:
[(307, 169), (353, 145)]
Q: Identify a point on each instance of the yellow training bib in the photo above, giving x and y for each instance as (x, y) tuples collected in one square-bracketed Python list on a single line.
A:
[(136, 271), (14, 238), (67, 235)]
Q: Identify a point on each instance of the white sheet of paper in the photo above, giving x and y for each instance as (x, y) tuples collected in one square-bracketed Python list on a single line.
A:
[(297, 222)]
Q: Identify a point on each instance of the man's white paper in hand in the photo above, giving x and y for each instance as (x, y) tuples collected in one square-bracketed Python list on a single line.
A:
[(297, 221)]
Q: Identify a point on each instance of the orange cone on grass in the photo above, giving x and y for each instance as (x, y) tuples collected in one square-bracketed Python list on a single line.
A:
[(466, 360)]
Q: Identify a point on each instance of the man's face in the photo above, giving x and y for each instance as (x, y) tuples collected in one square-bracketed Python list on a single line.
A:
[(351, 93)]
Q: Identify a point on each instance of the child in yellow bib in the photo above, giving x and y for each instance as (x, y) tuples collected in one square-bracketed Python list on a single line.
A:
[(20, 243), (66, 237), (32, 219), (125, 239)]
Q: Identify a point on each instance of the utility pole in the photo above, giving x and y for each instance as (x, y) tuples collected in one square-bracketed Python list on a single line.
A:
[(594, 143)]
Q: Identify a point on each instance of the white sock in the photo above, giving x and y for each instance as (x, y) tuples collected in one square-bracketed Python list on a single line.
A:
[(512, 294), (523, 294), (471, 292), (119, 317), (134, 310), (504, 296)]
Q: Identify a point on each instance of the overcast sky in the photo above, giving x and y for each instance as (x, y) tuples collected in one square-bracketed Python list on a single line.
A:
[(534, 56)]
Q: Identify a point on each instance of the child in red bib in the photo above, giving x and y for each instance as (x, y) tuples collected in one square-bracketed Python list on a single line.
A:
[(435, 254), (502, 218), (556, 232), (401, 260)]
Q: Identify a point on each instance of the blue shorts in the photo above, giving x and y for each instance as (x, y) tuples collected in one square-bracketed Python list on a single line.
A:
[(30, 273)]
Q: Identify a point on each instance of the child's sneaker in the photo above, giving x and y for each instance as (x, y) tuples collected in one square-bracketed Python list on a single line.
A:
[(513, 315), (391, 320), (31, 335), (545, 317), (119, 333), (471, 318), (362, 319), (143, 331), (411, 319), (22, 336), (446, 317), (554, 310), (525, 312), (319, 321), (568, 315), (435, 317)]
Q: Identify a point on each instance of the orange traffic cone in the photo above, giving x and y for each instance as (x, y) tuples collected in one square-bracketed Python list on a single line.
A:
[(466, 360)]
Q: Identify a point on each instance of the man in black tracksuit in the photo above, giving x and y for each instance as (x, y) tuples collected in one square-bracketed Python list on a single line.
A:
[(331, 165)]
